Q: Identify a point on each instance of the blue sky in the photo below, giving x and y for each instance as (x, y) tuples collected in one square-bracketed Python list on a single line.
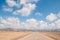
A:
[(43, 6), (45, 10)]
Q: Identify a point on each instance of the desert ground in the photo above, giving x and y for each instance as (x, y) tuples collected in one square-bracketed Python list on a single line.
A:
[(20, 35)]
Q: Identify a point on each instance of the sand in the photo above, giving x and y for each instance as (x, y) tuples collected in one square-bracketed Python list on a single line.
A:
[(20, 35)]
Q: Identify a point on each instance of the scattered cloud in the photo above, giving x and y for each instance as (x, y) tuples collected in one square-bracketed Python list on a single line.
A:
[(29, 6), (10, 22), (57, 23), (29, 24), (42, 25), (51, 17), (7, 9), (28, 1), (11, 3), (58, 14), (38, 14), (26, 10)]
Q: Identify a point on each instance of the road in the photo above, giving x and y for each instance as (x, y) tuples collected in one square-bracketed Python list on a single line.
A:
[(11, 35), (40, 36)]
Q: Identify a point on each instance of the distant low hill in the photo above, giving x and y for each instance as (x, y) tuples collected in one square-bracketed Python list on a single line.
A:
[(46, 30)]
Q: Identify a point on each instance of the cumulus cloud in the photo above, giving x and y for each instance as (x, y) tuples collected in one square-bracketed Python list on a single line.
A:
[(7, 9), (58, 14), (26, 10), (57, 23), (38, 14), (29, 24), (11, 3), (51, 17), (28, 1), (9, 22), (42, 25), (17, 3)]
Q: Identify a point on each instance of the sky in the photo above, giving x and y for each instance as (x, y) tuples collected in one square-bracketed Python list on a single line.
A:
[(30, 14)]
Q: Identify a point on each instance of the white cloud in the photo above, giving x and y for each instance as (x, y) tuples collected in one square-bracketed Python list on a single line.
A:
[(58, 14), (17, 3), (51, 17), (29, 24), (27, 1), (10, 22), (26, 10), (11, 3), (8, 9), (57, 23), (13, 20), (42, 25), (52, 26), (38, 14)]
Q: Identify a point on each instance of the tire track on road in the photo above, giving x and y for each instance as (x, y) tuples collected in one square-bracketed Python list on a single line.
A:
[(36, 36), (21, 37)]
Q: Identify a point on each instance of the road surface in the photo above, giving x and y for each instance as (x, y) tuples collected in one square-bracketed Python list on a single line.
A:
[(11, 35)]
